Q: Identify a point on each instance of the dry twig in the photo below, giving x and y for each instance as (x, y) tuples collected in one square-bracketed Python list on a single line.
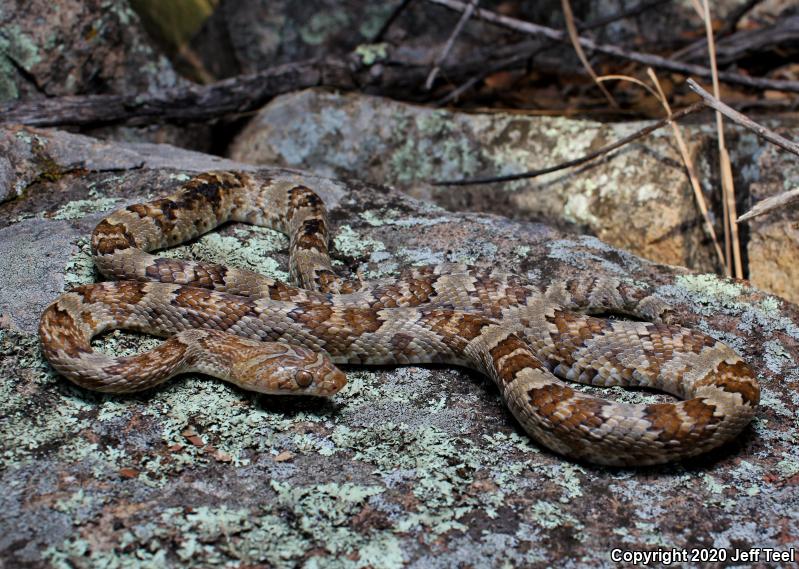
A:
[(644, 58), (770, 204), (743, 120), (732, 244), (689, 166), (568, 15), (539, 47), (378, 37), (467, 13)]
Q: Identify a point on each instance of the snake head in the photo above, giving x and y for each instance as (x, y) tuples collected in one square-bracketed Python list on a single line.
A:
[(276, 368)]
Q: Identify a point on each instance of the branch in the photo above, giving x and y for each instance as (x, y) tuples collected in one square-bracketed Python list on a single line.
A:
[(577, 161), (192, 103), (450, 42), (232, 96), (743, 120), (644, 58), (770, 204)]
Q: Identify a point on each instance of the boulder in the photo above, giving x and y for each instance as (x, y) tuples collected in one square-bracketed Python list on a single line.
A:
[(638, 199), (773, 246), (406, 467)]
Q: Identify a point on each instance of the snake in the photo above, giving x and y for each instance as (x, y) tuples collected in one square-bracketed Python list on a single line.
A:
[(535, 342)]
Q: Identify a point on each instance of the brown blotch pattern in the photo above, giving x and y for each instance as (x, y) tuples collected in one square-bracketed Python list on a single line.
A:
[(547, 398), (512, 365), (311, 315), (69, 338), (573, 331), (206, 309), (455, 329), (400, 343), (115, 294), (735, 378), (361, 320), (665, 418), (302, 197), (109, 238)]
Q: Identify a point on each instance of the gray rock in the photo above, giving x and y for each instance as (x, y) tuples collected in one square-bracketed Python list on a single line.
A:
[(638, 199), (76, 47), (407, 466)]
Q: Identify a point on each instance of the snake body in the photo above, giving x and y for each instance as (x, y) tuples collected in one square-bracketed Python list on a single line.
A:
[(268, 336)]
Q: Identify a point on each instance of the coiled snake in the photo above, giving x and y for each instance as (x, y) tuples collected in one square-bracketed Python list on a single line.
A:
[(267, 336)]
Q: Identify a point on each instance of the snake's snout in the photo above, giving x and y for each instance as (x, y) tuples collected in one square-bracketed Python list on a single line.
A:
[(294, 371)]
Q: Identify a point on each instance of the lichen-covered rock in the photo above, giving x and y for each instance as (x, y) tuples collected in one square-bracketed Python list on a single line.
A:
[(639, 199), (76, 47), (406, 467), (773, 247)]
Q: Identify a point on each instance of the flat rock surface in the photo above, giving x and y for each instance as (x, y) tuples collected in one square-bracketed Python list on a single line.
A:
[(411, 466)]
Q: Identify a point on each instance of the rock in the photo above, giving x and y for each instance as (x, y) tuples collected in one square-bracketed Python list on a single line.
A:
[(773, 247), (408, 466), (87, 47), (638, 199), (94, 46)]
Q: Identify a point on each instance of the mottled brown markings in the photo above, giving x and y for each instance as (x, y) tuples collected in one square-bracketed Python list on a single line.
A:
[(456, 329), (88, 319), (326, 280), (573, 412), (548, 397), (170, 354), (164, 269), (667, 422), (281, 291), (311, 242), (311, 315), (303, 197), (109, 238), (585, 413), (210, 276), (512, 365), (573, 331), (204, 308), (69, 338), (361, 320), (668, 337), (122, 292), (506, 346), (400, 343), (508, 366), (734, 378), (314, 227), (414, 292)]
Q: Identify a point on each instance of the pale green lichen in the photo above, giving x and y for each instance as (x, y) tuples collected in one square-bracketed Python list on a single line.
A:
[(19, 46), (250, 248), (322, 24), (80, 269), (348, 242), (78, 209), (372, 53), (433, 152)]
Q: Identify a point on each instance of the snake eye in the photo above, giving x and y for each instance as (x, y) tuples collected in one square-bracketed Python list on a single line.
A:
[(303, 378)]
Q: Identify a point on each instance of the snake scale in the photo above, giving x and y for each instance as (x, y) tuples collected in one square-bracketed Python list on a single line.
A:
[(267, 336)]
